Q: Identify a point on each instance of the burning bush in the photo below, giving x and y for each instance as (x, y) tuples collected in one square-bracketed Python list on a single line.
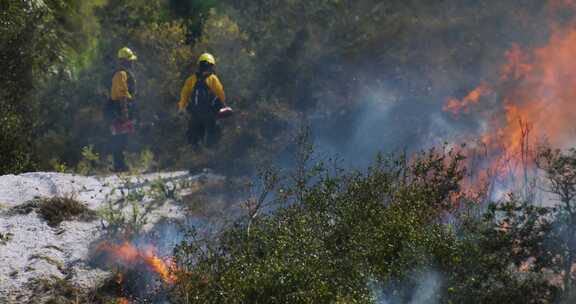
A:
[(125, 255), (143, 267), (527, 101)]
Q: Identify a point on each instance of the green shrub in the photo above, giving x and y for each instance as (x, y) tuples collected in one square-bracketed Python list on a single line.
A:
[(59, 209), (56, 210), (345, 232), (54, 290), (90, 162), (352, 237)]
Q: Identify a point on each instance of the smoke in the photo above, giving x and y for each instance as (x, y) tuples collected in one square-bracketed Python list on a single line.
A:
[(426, 290), (143, 266), (402, 105), (165, 236), (505, 90)]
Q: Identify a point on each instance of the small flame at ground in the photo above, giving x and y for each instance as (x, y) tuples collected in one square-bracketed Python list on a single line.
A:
[(123, 301), (126, 254), (164, 268)]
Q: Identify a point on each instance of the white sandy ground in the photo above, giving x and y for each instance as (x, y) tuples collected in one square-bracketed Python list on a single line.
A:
[(23, 257)]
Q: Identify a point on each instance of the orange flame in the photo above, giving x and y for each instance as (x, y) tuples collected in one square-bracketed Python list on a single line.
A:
[(517, 66), (537, 93), (560, 4), (543, 95), (456, 106), (127, 254), (123, 301), (159, 266)]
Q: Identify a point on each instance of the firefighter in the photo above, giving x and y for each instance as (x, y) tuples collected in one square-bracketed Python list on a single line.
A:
[(203, 98), (121, 106)]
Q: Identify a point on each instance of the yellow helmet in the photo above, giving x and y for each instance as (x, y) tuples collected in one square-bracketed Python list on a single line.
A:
[(207, 57), (127, 54)]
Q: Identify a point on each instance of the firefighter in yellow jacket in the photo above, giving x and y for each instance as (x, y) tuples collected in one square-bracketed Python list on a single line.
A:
[(120, 107), (202, 97)]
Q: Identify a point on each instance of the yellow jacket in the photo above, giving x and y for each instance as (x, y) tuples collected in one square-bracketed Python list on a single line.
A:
[(212, 82), (120, 89)]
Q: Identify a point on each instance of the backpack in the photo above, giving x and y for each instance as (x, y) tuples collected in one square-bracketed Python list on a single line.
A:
[(203, 100)]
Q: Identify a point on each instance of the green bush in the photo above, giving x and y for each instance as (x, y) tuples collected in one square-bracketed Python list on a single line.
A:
[(352, 237), (345, 232), (58, 209)]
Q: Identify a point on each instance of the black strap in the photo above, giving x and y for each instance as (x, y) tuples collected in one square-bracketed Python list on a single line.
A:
[(201, 79), (200, 84)]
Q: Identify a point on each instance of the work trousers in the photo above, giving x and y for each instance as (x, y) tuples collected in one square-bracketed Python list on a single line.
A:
[(119, 144), (203, 129)]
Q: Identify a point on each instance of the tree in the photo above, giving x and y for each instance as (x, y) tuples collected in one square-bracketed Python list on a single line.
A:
[(560, 170), (28, 48)]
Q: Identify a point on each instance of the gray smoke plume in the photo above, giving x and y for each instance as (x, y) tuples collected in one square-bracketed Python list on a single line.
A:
[(425, 291), (398, 105)]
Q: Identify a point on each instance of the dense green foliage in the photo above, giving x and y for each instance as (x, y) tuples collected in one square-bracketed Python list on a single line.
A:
[(392, 234)]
